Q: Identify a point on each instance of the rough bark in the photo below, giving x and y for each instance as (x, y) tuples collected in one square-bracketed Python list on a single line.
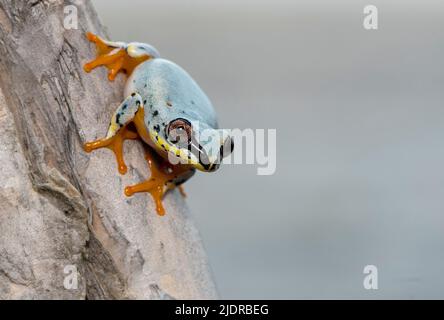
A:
[(61, 206)]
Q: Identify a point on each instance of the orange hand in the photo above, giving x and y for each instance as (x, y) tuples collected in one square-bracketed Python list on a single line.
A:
[(115, 144)]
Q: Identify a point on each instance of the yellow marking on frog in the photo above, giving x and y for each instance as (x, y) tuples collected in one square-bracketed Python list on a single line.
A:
[(182, 153), (113, 127)]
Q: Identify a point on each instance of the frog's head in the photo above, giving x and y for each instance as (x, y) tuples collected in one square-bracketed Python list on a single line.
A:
[(189, 138)]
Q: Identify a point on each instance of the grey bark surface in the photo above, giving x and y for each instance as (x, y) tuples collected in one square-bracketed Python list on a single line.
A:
[(62, 207)]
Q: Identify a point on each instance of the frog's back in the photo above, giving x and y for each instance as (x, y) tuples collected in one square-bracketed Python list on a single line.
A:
[(163, 83)]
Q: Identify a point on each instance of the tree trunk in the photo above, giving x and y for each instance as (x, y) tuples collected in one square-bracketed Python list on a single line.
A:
[(62, 209)]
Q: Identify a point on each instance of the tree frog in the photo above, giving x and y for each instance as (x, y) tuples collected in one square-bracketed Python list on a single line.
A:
[(166, 109)]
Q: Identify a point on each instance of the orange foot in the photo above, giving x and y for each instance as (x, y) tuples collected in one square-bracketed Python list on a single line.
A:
[(115, 144), (182, 191), (112, 55), (162, 179)]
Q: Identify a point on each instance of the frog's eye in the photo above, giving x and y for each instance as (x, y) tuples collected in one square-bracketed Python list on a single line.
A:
[(179, 132)]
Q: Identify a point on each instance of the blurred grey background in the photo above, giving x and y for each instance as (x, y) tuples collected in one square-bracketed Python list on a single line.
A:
[(360, 122)]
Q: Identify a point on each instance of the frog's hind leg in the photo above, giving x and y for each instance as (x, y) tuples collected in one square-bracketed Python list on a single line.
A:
[(164, 177), (118, 56), (118, 130)]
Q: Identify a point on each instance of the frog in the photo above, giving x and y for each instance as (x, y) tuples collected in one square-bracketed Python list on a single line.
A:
[(165, 109)]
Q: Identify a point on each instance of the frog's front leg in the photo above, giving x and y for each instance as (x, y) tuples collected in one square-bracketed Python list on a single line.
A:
[(163, 177), (118, 130), (118, 56)]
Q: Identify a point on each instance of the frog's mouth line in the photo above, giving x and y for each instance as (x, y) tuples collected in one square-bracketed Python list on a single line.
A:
[(187, 156)]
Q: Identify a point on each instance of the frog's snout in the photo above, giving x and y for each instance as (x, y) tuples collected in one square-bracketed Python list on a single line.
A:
[(212, 162), (227, 148)]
